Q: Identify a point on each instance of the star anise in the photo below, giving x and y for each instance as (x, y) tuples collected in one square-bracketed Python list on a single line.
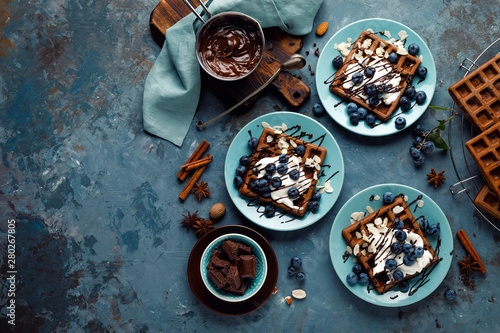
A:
[(436, 178), (203, 227), (190, 220), (201, 190), (468, 266)]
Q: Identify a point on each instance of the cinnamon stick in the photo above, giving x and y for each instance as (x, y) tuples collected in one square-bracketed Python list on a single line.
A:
[(194, 179), (199, 151), (190, 166), (469, 248)]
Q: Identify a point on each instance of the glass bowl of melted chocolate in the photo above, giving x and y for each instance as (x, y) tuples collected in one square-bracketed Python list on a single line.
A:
[(230, 46)]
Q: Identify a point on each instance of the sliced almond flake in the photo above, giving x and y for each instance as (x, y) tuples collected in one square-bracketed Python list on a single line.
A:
[(371, 248), (358, 235), (269, 139), (295, 161), (348, 249), (349, 40), (364, 245), (359, 56), (391, 41), (365, 238), (386, 220), (317, 166), (368, 52), (367, 43), (355, 251), (363, 252), (321, 190), (378, 221), (345, 53), (373, 230), (421, 57), (386, 55), (353, 221), (293, 144), (397, 210), (284, 151), (402, 35), (277, 128), (399, 43), (382, 44), (376, 198), (265, 125), (380, 52), (420, 203), (298, 294), (278, 132), (369, 209), (405, 198), (284, 127), (315, 175), (387, 34), (401, 51), (363, 232), (316, 159), (383, 229), (329, 190), (336, 46), (369, 30)]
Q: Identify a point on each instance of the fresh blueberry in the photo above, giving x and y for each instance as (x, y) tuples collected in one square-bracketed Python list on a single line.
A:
[(405, 103), (253, 142), (400, 235), (271, 168), (296, 262), (352, 278), (404, 286), (254, 185), (263, 182), (283, 158), (418, 131), (400, 122), (388, 198), (238, 181), (316, 196), (282, 168), (396, 248), (450, 294), (318, 109), (370, 89), (370, 119), (276, 182), (393, 57), (362, 113), (357, 268), (417, 141), (291, 271), (269, 211), (337, 62), (363, 278), (410, 92), (413, 49), (357, 78), (294, 174), (240, 170), (382, 88), (397, 224), (354, 118), (265, 192), (398, 275), (301, 276), (412, 256), (245, 160), (407, 260), (391, 264), (407, 248), (313, 206), (419, 251), (369, 72), (300, 150), (415, 152), (434, 229), (424, 225), (428, 147), (352, 107), (419, 161), (422, 71), (420, 97), (373, 101), (293, 193)]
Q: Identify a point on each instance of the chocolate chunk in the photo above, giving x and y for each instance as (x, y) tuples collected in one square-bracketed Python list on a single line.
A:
[(230, 249), (217, 253), (233, 277), (239, 291), (219, 262), (243, 249), (248, 266), (217, 278)]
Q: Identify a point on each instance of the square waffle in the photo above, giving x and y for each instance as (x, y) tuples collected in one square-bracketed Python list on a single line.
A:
[(268, 147), (478, 95), (488, 201), (485, 150), (406, 66), (381, 282)]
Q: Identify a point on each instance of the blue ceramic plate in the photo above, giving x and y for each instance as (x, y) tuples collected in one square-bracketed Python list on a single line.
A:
[(239, 147), (325, 69), (254, 285), (430, 210)]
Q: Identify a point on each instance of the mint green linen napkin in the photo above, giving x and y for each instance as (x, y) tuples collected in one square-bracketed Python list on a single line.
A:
[(172, 88)]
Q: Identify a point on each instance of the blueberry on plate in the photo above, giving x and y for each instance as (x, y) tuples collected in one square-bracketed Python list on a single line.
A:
[(357, 268), (370, 89), (398, 275), (266, 193), (337, 62), (291, 271), (420, 97), (363, 278), (362, 112), (400, 235), (424, 225), (428, 147), (422, 71), (269, 211), (276, 182), (393, 57), (404, 286), (419, 161), (405, 103), (388, 198), (300, 150), (318, 109), (294, 174), (282, 168), (238, 181), (396, 248), (240, 170), (382, 88), (369, 72), (370, 119), (293, 193), (400, 122), (450, 294), (296, 262), (391, 264), (419, 251), (357, 78), (397, 224), (301, 276), (253, 142), (410, 92), (352, 278), (316, 196), (434, 229), (407, 248), (254, 185), (271, 168), (283, 158), (352, 107), (373, 101), (245, 160), (413, 49), (354, 118), (407, 260), (418, 131), (313, 206)]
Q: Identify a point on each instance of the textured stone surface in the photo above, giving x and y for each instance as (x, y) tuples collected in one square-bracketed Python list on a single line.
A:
[(99, 246)]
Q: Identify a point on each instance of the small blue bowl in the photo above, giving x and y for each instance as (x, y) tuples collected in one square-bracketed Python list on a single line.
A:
[(254, 285)]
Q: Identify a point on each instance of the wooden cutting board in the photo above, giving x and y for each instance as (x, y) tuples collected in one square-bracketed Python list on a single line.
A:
[(279, 46)]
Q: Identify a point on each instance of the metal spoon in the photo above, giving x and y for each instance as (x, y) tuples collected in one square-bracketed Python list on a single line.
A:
[(294, 62)]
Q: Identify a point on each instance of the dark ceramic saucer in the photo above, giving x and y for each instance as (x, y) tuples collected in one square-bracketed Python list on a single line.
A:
[(212, 302)]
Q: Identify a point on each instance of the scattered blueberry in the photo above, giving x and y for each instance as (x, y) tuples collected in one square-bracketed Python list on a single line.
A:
[(352, 278), (363, 278), (388, 198), (428, 147), (370, 119), (301, 276), (294, 174), (282, 168), (293, 193), (418, 131), (450, 294), (271, 168), (404, 286), (291, 271), (434, 229), (373, 101), (238, 181), (407, 248), (391, 264), (398, 275), (253, 142), (396, 248), (245, 160), (400, 122), (393, 58), (318, 109), (419, 251), (296, 262), (369, 72), (397, 224), (313, 206), (400, 235), (357, 78), (410, 92), (352, 107), (337, 62), (407, 260), (424, 225), (422, 71), (269, 211), (357, 268), (316, 196), (283, 158), (362, 113), (276, 182), (419, 161), (354, 118), (405, 103), (415, 152), (417, 141), (240, 170), (413, 49), (420, 97), (300, 150)]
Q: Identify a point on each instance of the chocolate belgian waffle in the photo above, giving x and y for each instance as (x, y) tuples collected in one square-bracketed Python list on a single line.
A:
[(268, 147), (478, 95), (381, 282), (488, 201), (485, 150), (406, 66)]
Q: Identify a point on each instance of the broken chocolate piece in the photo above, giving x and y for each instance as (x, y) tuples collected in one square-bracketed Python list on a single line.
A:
[(230, 249), (217, 278), (233, 277), (248, 266), (240, 291), (243, 249), (217, 262)]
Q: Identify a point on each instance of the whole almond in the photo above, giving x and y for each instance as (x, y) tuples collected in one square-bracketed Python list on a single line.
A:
[(217, 210), (320, 31)]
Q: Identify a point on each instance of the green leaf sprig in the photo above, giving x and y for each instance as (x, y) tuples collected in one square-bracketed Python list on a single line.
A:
[(434, 135)]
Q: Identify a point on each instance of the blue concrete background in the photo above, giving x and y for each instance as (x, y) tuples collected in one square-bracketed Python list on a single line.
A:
[(95, 198)]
